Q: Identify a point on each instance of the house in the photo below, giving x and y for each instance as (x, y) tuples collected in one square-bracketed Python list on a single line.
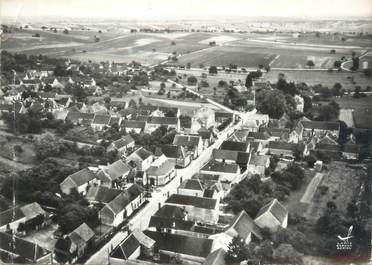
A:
[(133, 126), (141, 159), (81, 240), (256, 147), (155, 122), (11, 218), (284, 121), (79, 180), (147, 244), (192, 143), (191, 187), (202, 118), (17, 247), (207, 137), (261, 119), (100, 122), (79, 118), (251, 126), (121, 145), (220, 117), (129, 248), (229, 156), (272, 215), (114, 173), (101, 195), (240, 135), (242, 226), (176, 153), (329, 150), (278, 134), (258, 164), (161, 171), (318, 128), (227, 172), (235, 146), (199, 209), (285, 149), (116, 211), (262, 137), (188, 248), (351, 151)]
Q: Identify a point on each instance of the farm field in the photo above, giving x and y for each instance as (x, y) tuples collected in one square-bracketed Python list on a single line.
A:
[(363, 118)]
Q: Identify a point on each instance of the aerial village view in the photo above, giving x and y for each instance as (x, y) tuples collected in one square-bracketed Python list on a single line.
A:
[(185, 132)]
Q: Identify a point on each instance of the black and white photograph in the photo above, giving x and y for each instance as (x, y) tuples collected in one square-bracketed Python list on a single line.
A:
[(188, 132)]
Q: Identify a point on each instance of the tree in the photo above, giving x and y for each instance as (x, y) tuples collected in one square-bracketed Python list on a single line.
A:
[(65, 31), (271, 102), (192, 80), (236, 251), (333, 51), (310, 63), (212, 70), (287, 254), (337, 64), (62, 250)]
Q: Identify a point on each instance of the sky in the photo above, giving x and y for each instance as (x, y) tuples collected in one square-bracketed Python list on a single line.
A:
[(173, 9)]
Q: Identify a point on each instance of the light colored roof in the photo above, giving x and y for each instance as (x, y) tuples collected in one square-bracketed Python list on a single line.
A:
[(117, 169), (186, 140), (31, 210), (81, 177), (275, 208), (84, 232), (243, 225), (163, 169), (143, 239), (259, 160), (217, 257)]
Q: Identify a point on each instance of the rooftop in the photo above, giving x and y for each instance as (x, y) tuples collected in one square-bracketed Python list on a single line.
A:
[(199, 202)]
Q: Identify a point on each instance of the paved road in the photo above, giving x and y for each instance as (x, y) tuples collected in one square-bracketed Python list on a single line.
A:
[(142, 218)]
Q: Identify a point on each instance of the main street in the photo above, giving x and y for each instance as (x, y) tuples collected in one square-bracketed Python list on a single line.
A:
[(142, 218)]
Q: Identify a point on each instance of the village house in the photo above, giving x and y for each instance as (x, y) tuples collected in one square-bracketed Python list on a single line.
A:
[(188, 248), (79, 118), (351, 151), (129, 248), (285, 149), (116, 211), (242, 226), (18, 247), (217, 257), (308, 129), (13, 217), (262, 137), (231, 157), (122, 145), (152, 123), (199, 209), (227, 172), (235, 146), (114, 174), (192, 143), (80, 181), (175, 153), (81, 240), (251, 126), (101, 195), (258, 164), (140, 159), (207, 137), (191, 187), (100, 122), (161, 171), (133, 126), (220, 117), (272, 215)]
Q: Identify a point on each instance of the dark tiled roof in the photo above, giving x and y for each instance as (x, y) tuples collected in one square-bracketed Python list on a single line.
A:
[(186, 140), (171, 151), (101, 119), (328, 147), (171, 211), (114, 120), (223, 115), (126, 248), (282, 145), (351, 148), (133, 124), (208, 193), (162, 120), (191, 184), (193, 246), (124, 141), (199, 202), (234, 146), (76, 116), (143, 153), (259, 135), (321, 125), (259, 160), (23, 248)]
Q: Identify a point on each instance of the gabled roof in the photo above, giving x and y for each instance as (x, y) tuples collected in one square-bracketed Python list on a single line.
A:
[(234, 146), (193, 246), (259, 135), (117, 169), (144, 240), (186, 140), (282, 145), (171, 211), (141, 153), (76, 116), (7, 217), (171, 151), (243, 225), (163, 169), (259, 160), (276, 209), (84, 232), (28, 250), (217, 257), (101, 119), (124, 141), (81, 177), (220, 167), (199, 202), (32, 210), (131, 124), (191, 184), (321, 125), (126, 248), (223, 115), (351, 148), (102, 194), (328, 147), (114, 120), (163, 120)]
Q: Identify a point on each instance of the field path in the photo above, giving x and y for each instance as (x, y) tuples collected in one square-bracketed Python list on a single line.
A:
[(311, 188)]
